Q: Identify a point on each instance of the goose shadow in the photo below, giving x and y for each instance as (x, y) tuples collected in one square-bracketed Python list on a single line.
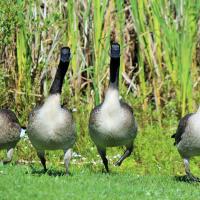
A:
[(100, 170), (186, 179), (50, 172)]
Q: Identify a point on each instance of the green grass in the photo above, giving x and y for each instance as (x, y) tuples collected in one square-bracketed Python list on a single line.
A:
[(21, 182)]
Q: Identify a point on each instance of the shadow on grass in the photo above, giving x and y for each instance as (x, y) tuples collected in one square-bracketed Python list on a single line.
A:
[(101, 170), (93, 170), (50, 172), (186, 179)]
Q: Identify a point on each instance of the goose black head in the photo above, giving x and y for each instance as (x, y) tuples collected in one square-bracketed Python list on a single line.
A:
[(65, 54), (115, 50), (114, 64)]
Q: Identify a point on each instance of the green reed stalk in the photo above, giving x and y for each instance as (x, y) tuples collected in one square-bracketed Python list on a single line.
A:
[(100, 45), (147, 29), (23, 54), (120, 24), (86, 45), (74, 43)]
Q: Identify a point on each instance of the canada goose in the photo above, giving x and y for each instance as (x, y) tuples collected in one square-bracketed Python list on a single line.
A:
[(112, 123), (187, 140), (10, 132), (50, 126)]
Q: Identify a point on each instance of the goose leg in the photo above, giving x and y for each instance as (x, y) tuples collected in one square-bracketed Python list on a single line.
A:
[(41, 155), (102, 153), (126, 154), (9, 156), (190, 176), (67, 158)]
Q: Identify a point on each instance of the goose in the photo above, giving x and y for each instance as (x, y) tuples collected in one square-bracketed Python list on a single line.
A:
[(10, 132), (112, 123), (187, 140), (50, 126)]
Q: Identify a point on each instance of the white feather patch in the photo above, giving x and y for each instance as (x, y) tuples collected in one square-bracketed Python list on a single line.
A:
[(112, 116)]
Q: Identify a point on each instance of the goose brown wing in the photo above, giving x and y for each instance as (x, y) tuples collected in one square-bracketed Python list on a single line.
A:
[(9, 115), (93, 115), (181, 128), (33, 112), (126, 107)]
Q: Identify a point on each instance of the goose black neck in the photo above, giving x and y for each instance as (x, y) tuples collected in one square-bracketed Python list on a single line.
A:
[(56, 87), (114, 72)]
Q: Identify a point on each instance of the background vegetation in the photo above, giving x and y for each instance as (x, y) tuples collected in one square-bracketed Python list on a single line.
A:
[(159, 74)]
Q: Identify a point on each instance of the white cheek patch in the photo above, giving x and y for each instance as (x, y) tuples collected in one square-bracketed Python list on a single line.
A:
[(22, 133)]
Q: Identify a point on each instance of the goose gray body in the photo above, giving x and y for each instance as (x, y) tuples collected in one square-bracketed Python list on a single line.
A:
[(9, 132), (112, 123), (187, 139), (50, 126)]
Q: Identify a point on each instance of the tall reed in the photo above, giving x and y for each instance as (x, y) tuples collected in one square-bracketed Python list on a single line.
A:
[(147, 29), (23, 55), (100, 41), (166, 30), (179, 25), (165, 66)]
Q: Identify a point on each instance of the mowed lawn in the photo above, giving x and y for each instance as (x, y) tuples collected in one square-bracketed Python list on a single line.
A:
[(23, 182)]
